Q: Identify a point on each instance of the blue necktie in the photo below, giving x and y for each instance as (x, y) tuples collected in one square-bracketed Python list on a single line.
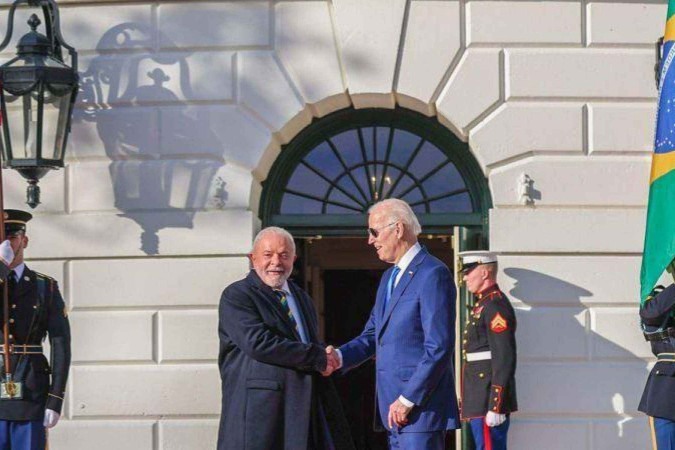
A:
[(390, 285)]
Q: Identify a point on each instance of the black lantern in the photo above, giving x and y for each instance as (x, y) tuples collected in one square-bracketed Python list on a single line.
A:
[(37, 94)]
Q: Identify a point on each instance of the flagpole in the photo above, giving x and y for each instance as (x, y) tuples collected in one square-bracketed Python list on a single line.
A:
[(5, 291)]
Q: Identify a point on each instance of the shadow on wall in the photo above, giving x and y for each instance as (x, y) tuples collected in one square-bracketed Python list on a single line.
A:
[(160, 173), (566, 369)]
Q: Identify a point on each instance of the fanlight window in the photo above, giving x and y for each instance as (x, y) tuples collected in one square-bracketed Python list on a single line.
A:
[(349, 171)]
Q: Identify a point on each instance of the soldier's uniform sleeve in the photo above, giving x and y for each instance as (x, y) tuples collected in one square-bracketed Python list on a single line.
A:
[(58, 329), (4, 270), (501, 327), (653, 311)]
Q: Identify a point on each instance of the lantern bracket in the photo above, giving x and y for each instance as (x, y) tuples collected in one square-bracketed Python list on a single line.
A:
[(52, 22)]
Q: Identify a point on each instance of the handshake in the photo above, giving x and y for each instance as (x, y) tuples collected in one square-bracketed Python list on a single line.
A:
[(334, 361)]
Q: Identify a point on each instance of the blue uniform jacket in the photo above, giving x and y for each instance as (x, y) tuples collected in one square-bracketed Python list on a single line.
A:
[(413, 340)]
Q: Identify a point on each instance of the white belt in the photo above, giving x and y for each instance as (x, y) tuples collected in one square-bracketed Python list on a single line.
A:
[(478, 356)]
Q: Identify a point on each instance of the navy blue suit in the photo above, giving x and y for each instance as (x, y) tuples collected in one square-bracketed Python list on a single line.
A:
[(413, 341)]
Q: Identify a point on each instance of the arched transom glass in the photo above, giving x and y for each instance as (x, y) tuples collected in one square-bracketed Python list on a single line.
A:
[(351, 170)]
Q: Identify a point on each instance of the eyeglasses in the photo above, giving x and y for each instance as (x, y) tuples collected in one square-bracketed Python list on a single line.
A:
[(375, 232)]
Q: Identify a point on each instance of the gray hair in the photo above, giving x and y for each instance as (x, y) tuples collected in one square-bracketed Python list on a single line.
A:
[(396, 209), (274, 230)]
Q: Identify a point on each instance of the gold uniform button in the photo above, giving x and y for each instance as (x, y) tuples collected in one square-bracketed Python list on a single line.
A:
[(481, 375), (11, 320), (13, 306), (466, 331), (463, 341), (11, 337), (494, 409), (496, 398)]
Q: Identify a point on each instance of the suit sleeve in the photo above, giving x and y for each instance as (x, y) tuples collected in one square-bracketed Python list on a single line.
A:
[(361, 348), (437, 312), (501, 328), (654, 311), (241, 322), (58, 328)]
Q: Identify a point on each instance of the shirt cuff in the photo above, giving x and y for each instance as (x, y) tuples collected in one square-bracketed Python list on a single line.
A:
[(405, 401), (339, 355)]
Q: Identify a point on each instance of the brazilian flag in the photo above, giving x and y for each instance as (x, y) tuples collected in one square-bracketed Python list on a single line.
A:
[(659, 249)]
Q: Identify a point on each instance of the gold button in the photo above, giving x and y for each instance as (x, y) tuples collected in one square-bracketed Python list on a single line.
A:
[(11, 320), (482, 375), (658, 372), (13, 306), (11, 337), (466, 331), (473, 323), (496, 398), (463, 341), (34, 306), (497, 390), (494, 409)]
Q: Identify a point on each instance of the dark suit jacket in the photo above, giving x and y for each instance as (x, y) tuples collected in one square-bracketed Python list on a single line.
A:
[(272, 389)]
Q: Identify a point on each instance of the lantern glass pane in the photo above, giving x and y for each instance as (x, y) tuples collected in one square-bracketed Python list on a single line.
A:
[(55, 121), (22, 118)]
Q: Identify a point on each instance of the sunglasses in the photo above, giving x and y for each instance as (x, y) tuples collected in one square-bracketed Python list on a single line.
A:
[(375, 232)]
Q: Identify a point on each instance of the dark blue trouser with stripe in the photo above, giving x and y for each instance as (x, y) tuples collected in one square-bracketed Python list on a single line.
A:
[(489, 438), (22, 435), (663, 433)]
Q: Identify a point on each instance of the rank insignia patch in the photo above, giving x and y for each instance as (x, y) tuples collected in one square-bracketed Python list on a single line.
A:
[(498, 324)]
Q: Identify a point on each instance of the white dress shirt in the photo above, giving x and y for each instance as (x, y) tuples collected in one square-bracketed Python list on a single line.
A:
[(18, 270)]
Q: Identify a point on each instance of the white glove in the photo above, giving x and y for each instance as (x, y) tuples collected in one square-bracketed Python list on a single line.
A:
[(51, 418), (6, 252), (493, 419)]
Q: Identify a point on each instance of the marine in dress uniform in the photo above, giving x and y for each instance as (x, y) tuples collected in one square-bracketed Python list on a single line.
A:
[(36, 310), (658, 400), (488, 353)]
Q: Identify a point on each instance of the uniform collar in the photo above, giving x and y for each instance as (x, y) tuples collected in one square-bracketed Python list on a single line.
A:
[(485, 293), (18, 270)]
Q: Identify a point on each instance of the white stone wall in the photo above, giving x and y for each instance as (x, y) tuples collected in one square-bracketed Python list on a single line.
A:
[(185, 108)]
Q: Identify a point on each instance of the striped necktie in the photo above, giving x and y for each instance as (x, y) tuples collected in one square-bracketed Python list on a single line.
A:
[(283, 299)]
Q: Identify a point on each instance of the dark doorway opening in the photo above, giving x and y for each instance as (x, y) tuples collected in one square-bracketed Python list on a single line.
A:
[(349, 297)]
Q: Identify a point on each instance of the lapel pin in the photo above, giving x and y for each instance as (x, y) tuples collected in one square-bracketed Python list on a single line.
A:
[(410, 273), (26, 278)]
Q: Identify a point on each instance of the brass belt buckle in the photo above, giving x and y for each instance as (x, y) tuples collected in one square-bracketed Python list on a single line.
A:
[(11, 390)]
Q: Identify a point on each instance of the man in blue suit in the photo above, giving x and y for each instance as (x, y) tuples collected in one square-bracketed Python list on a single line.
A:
[(411, 333)]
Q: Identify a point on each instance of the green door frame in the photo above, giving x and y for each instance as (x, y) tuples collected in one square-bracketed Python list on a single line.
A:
[(469, 238)]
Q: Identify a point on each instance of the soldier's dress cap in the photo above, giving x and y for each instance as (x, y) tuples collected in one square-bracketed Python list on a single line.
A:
[(472, 258), (15, 220)]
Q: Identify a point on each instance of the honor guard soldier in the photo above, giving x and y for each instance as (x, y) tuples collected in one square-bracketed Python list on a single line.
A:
[(32, 390), (658, 400), (488, 354)]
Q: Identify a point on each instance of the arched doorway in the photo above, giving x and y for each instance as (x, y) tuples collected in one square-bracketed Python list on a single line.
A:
[(320, 189)]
